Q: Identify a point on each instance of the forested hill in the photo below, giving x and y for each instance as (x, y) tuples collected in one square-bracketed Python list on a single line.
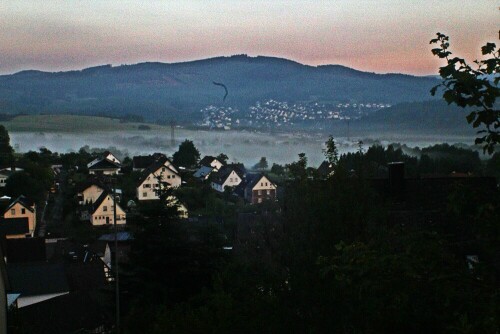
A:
[(160, 91), (426, 115)]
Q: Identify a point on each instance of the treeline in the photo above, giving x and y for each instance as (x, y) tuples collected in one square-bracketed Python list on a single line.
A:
[(332, 258)]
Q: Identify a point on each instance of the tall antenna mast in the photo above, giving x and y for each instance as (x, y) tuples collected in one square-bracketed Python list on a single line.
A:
[(172, 133)]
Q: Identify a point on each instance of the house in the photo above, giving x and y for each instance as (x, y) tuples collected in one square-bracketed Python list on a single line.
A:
[(106, 155), (36, 282), (161, 171), (25, 250), (89, 193), (103, 167), (203, 173), (14, 228), (102, 212), (22, 207), (227, 176), (325, 170), (141, 162), (259, 188), (210, 161), (182, 210)]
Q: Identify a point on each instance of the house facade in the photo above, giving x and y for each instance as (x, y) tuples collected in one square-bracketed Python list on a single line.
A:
[(22, 207), (148, 185), (210, 161), (102, 211), (227, 176), (90, 194), (260, 188), (104, 167)]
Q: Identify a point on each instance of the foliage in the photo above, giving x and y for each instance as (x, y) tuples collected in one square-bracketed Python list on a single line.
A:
[(298, 169), (262, 164), (277, 169), (467, 87), (6, 151), (187, 155), (331, 152), (222, 158)]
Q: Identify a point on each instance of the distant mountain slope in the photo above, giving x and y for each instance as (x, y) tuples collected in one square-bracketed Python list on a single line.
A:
[(164, 91), (424, 116)]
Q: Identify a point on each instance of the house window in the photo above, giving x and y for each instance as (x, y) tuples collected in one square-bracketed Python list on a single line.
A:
[(146, 185), (262, 184), (23, 211), (259, 192), (105, 208), (12, 211), (173, 176), (266, 184), (259, 200), (144, 194), (163, 169), (269, 192)]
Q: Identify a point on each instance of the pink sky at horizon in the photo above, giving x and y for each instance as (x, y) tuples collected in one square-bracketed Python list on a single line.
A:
[(377, 36)]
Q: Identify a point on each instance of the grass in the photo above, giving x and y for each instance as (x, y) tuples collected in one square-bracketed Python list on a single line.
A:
[(69, 123)]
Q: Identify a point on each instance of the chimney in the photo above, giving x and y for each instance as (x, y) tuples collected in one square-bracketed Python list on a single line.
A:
[(396, 177)]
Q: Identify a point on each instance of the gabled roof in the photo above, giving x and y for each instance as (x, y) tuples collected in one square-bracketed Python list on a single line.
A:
[(223, 173), (154, 168), (254, 179), (325, 169), (89, 183), (207, 160), (24, 201), (99, 201), (142, 161), (14, 226), (203, 171), (105, 164)]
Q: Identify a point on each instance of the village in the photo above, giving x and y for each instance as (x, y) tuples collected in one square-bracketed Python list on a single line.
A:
[(281, 114), (72, 223)]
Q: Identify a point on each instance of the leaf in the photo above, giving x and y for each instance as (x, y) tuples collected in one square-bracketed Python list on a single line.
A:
[(470, 117), (488, 48)]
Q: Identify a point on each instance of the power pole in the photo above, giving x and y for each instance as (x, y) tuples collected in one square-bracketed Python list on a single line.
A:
[(117, 277)]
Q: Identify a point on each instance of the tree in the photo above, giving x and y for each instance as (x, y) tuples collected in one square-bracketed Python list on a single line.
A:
[(262, 164), (222, 158), (277, 169), (298, 169), (187, 155), (6, 151), (467, 87), (331, 152)]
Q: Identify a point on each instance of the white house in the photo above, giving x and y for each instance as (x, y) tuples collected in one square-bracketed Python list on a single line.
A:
[(259, 188), (89, 193), (227, 176), (210, 161), (102, 212), (149, 183), (104, 167)]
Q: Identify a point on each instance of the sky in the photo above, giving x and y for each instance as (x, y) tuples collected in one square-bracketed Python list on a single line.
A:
[(370, 35)]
